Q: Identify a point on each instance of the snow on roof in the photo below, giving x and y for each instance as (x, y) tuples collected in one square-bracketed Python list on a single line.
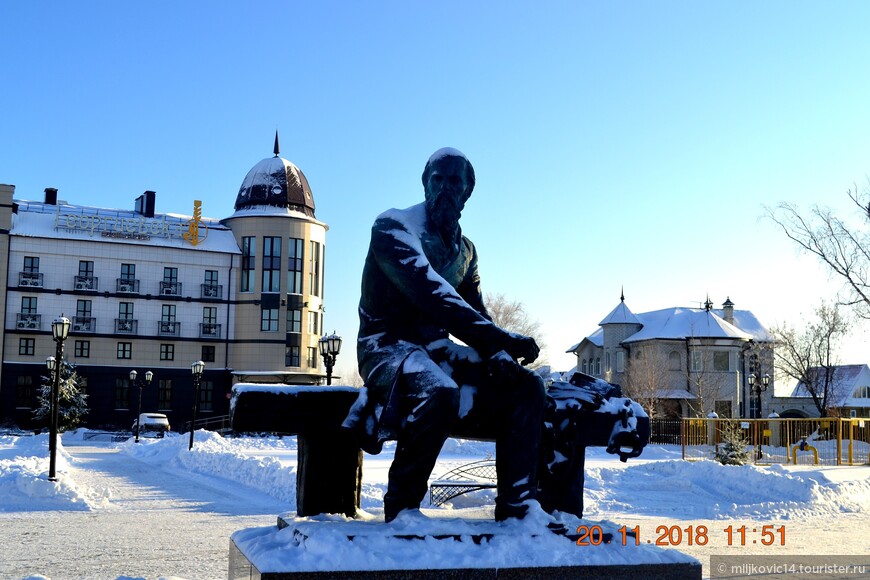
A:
[(620, 315), (271, 211), (91, 224), (682, 323), (845, 380)]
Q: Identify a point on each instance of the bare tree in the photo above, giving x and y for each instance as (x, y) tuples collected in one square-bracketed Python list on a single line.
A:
[(511, 315), (809, 356), (647, 375), (843, 246)]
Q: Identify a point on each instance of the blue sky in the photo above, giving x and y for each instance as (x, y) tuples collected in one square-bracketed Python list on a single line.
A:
[(616, 144)]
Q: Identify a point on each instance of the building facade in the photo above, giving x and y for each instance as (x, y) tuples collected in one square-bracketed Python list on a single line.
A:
[(683, 362), (151, 291)]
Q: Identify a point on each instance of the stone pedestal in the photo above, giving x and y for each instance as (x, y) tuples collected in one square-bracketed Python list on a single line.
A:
[(439, 548)]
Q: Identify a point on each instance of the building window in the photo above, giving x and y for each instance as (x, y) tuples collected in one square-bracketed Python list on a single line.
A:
[(31, 265), (170, 285), (721, 360), (83, 308), (206, 396), (697, 361), (314, 269), (294, 266), (125, 350), (86, 268), (83, 385), (294, 320), (210, 286), (24, 392), (292, 357), (313, 318), (167, 352), (312, 357), (675, 361), (597, 366), (29, 305), (269, 320), (862, 393), (607, 366), (125, 311), (83, 349), (271, 264), (208, 352), (122, 394), (128, 272), (164, 395), (583, 368), (209, 314), (723, 409), (620, 361), (249, 252), (27, 346)]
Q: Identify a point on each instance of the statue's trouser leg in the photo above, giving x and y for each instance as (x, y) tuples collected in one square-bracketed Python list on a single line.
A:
[(562, 477), (429, 401), (514, 412)]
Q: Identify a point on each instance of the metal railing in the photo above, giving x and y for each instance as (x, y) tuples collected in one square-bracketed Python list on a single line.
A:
[(33, 279), (220, 424), (823, 441)]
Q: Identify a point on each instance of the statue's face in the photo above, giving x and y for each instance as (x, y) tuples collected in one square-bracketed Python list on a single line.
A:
[(447, 189)]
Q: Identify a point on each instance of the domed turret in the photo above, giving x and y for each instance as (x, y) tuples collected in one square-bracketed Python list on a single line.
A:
[(274, 181)]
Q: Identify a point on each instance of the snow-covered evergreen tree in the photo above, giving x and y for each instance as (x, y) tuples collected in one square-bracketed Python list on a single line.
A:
[(72, 403), (734, 448)]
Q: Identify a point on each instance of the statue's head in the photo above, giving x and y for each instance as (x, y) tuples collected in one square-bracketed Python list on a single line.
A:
[(448, 180)]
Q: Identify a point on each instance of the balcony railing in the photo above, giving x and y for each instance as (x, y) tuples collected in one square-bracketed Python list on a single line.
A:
[(169, 328), (211, 291), (127, 285), (32, 279), (126, 325), (170, 288), (28, 321), (84, 324), (209, 330), (86, 283)]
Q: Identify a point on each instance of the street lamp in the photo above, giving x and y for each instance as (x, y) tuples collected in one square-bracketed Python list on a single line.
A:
[(757, 387), (60, 332), (148, 376), (195, 368), (330, 346)]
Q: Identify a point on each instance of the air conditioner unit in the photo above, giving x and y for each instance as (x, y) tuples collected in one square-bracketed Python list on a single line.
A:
[(168, 291), (83, 285), (22, 324), (29, 282), (81, 327)]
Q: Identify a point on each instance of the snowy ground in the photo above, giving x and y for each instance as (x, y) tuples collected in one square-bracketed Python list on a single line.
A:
[(156, 510)]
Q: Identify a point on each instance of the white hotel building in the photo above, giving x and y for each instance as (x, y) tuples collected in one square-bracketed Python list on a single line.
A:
[(152, 291)]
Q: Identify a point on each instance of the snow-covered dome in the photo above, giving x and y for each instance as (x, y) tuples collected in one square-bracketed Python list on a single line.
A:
[(274, 181)]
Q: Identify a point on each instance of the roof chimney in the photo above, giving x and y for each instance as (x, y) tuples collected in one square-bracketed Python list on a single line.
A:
[(145, 203), (728, 311), (51, 196)]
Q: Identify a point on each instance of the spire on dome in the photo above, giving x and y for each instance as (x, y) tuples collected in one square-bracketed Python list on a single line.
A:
[(622, 293), (277, 149)]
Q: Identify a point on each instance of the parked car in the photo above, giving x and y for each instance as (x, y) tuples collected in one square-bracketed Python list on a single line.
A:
[(156, 423)]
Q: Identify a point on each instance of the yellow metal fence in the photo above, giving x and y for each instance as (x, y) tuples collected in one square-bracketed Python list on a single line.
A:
[(793, 441)]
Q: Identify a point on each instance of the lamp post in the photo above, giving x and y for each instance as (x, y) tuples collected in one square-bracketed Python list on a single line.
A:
[(330, 346), (196, 368), (60, 332), (148, 376), (757, 386)]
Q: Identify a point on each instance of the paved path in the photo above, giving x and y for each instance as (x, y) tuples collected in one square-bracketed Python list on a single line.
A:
[(156, 524)]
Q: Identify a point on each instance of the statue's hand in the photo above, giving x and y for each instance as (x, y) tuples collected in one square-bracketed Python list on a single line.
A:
[(523, 349), (502, 368)]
